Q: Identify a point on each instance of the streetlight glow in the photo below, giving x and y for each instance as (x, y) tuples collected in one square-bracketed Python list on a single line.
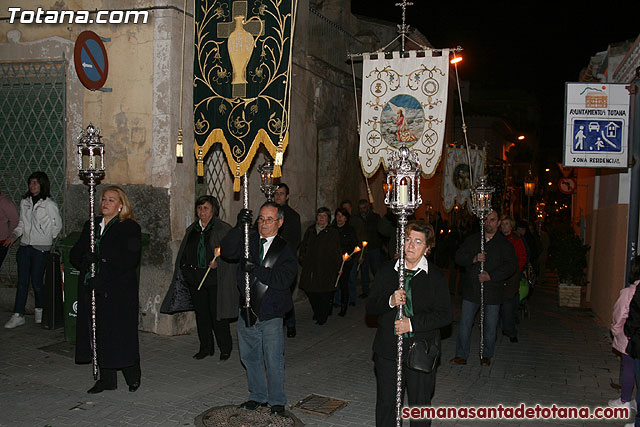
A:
[(456, 59)]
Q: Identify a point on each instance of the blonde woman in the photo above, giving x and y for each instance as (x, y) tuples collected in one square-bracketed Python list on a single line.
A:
[(116, 258)]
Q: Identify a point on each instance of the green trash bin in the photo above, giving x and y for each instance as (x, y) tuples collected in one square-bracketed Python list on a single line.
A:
[(70, 279)]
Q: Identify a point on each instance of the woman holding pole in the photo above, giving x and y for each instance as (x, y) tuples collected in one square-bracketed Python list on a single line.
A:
[(116, 258)]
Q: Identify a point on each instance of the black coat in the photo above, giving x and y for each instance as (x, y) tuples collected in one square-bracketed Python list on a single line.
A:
[(116, 297), (431, 307), (501, 264), (320, 259), (178, 297), (291, 230), (276, 301)]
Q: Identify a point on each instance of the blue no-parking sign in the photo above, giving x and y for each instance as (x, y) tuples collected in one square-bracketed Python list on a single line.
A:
[(90, 59), (597, 121)]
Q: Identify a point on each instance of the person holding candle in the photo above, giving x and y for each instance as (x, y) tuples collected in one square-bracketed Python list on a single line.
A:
[(370, 257), (320, 258), (213, 294), (38, 226), (427, 308), (348, 244), (116, 257)]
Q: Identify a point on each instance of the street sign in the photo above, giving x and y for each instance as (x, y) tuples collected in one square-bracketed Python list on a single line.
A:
[(567, 185), (90, 59), (597, 122)]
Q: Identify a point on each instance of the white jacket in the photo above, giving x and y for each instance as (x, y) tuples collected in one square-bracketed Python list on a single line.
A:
[(39, 225)]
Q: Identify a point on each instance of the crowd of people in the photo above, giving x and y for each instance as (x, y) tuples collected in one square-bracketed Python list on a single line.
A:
[(217, 279)]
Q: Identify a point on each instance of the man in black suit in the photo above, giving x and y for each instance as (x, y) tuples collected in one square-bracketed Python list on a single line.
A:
[(272, 266), (291, 232), (427, 308)]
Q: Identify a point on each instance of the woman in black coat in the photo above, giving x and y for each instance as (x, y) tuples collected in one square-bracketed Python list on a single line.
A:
[(632, 326), (348, 242), (116, 258), (320, 260), (427, 308)]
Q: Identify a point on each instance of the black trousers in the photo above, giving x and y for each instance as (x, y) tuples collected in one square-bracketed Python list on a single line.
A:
[(343, 283), (205, 302), (418, 386), (320, 304), (132, 375)]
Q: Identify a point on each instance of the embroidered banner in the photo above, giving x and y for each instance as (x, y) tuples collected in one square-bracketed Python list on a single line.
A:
[(457, 178), (241, 80), (404, 102)]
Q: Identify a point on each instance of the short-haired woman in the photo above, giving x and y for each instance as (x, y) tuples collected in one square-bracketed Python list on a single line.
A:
[(427, 308), (320, 258), (116, 258), (216, 301), (38, 226)]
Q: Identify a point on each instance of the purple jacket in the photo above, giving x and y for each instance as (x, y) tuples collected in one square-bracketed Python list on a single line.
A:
[(8, 217), (620, 314)]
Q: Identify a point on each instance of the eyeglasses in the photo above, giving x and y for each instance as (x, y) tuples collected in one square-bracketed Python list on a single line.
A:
[(416, 242), (267, 221)]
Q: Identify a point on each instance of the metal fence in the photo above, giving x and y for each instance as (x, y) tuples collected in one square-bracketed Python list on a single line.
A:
[(32, 131)]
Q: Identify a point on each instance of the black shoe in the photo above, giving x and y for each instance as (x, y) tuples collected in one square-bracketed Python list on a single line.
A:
[(343, 309), (225, 356), (133, 387), (291, 332), (513, 339), (277, 410), (101, 386), (202, 354), (252, 405)]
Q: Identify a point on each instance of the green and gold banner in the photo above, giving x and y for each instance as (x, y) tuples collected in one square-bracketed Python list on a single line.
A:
[(241, 80)]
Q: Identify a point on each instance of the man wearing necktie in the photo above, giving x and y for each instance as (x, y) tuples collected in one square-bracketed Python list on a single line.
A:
[(272, 267), (427, 308)]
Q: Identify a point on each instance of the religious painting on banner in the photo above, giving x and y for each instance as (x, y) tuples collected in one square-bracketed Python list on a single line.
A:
[(404, 102), (241, 80), (457, 176)]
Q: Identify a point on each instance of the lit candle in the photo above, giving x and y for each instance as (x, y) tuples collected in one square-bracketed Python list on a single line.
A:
[(364, 245), (345, 257), (403, 192), (216, 254)]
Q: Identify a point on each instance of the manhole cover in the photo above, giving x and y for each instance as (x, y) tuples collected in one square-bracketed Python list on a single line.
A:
[(320, 405), (232, 416)]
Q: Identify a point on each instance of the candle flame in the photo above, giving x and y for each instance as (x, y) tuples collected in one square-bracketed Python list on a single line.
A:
[(345, 256), (364, 243), (357, 249), (216, 251)]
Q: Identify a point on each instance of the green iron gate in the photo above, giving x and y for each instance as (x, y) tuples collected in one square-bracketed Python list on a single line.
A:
[(32, 131)]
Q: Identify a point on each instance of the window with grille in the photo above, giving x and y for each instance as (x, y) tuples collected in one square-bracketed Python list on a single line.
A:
[(32, 131)]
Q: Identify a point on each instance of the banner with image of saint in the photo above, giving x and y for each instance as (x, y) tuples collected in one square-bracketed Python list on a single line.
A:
[(456, 182), (404, 102), (242, 65)]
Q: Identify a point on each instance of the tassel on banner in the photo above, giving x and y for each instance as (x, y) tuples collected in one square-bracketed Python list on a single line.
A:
[(277, 167), (236, 184), (369, 191)]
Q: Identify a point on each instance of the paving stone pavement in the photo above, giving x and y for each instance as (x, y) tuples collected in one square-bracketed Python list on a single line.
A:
[(563, 357)]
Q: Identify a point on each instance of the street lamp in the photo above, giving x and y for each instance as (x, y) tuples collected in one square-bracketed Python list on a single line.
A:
[(266, 179), (402, 198), (481, 195), (90, 151), (529, 189)]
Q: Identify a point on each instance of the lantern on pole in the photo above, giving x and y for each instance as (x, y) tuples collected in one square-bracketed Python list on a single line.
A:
[(402, 198), (481, 195), (90, 152), (529, 189), (266, 179)]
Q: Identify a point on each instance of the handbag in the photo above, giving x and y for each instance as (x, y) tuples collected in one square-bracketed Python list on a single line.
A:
[(423, 356)]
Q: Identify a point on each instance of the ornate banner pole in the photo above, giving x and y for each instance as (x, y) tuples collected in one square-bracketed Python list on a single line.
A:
[(403, 198), (247, 281), (90, 151), (481, 195)]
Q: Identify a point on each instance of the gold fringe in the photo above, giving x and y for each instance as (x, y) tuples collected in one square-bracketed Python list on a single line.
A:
[(236, 184), (277, 171), (200, 169)]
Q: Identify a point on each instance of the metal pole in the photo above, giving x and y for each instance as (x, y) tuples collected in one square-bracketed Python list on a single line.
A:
[(482, 238), (402, 223), (245, 205), (92, 246)]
